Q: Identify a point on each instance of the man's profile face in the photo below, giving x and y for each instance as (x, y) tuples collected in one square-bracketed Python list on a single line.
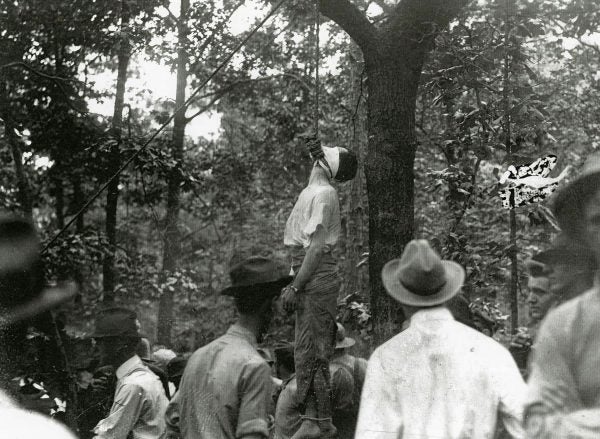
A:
[(108, 350), (591, 217), (540, 301)]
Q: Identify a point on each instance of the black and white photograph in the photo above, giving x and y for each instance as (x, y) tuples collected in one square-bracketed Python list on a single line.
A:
[(299, 219)]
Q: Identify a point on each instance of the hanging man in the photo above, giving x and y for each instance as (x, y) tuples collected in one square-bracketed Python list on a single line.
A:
[(564, 385), (311, 233)]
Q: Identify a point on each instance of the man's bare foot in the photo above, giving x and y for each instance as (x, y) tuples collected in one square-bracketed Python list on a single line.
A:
[(308, 430)]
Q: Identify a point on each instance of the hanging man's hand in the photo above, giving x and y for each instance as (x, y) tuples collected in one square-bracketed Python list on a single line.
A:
[(288, 298)]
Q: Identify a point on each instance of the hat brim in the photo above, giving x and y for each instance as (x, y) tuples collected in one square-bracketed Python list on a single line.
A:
[(49, 299), (455, 277), (569, 202), (274, 286), (347, 342)]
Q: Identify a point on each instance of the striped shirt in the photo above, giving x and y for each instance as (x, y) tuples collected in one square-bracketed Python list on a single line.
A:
[(225, 391)]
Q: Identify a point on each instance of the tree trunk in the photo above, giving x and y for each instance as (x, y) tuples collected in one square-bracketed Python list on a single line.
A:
[(59, 196), (22, 180), (394, 53), (390, 179), (171, 246), (79, 201), (112, 194)]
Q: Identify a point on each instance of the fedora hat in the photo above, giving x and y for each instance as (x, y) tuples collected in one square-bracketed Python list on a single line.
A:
[(420, 277), (566, 250), (341, 341), (571, 199), (256, 272), (23, 292), (117, 322)]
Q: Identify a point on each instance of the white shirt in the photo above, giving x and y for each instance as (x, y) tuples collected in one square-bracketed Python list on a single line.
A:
[(440, 379), (317, 204), (18, 423), (139, 406)]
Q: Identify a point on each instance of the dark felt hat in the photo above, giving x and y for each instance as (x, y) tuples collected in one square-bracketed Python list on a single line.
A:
[(570, 200), (117, 322), (420, 277), (256, 274), (566, 250), (23, 293)]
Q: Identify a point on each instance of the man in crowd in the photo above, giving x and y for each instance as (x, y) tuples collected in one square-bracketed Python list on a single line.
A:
[(311, 234), (226, 388), (288, 413), (540, 300), (23, 299), (438, 378), (344, 415), (555, 276), (564, 386), (140, 402)]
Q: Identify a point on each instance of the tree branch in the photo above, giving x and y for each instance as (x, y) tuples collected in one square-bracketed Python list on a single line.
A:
[(418, 21), (353, 22), (218, 94)]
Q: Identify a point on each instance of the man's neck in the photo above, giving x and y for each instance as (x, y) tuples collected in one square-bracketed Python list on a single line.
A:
[(251, 324), (318, 177)]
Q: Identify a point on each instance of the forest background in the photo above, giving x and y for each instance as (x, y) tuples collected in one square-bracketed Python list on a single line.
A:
[(437, 98)]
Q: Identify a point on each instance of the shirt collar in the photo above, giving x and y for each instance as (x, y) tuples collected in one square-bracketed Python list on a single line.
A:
[(128, 367), (429, 314), (238, 330)]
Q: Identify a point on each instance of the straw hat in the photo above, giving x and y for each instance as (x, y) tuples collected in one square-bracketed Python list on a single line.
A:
[(420, 277)]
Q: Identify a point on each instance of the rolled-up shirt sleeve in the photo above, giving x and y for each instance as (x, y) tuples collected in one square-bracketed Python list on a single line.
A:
[(124, 413), (380, 412), (255, 397), (321, 212)]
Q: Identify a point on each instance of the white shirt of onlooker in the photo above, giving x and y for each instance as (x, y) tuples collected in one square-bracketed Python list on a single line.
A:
[(139, 406), (440, 379)]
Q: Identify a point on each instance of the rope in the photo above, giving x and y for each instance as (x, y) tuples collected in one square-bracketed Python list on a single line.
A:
[(317, 58), (163, 126)]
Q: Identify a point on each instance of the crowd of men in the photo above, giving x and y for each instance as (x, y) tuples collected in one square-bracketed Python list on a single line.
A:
[(441, 376)]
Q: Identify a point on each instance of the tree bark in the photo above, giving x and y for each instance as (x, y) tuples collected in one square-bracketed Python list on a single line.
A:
[(112, 194), (171, 245), (390, 179), (22, 180), (394, 54)]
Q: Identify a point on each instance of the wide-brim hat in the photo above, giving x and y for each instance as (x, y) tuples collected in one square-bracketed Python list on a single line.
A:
[(341, 341), (256, 273), (571, 199), (420, 277), (117, 322), (566, 250)]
